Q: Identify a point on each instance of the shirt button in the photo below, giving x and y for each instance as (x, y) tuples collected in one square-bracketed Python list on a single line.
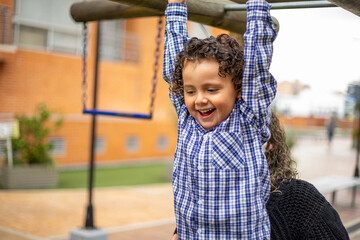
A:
[(201, 201), (199, 231), (200, 167)]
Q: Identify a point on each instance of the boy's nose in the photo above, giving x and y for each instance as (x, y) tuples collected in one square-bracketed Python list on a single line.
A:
[(201, 99)]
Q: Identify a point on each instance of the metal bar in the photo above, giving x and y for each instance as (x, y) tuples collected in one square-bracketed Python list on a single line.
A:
[(89, 220), (284, 5), (353, 196), (333, 195), (204, 30), (354, 227), (356, 172), (118, 114)]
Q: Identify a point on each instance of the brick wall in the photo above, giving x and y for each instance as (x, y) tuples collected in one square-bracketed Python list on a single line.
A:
[(29, 77)]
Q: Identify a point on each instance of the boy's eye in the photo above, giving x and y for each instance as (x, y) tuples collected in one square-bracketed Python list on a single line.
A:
[(212, 89), (189, 91)]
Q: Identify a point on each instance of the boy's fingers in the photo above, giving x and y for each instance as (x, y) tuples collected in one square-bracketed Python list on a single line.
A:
[(175, 237)]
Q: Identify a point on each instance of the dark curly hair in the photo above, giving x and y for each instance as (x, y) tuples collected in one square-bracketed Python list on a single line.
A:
[(225, 49), (281, 165)]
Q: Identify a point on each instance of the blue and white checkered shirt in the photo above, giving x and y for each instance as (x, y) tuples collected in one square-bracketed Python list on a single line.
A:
[(221, 179)]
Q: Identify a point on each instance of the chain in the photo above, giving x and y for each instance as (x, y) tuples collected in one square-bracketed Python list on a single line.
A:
[(84, 70), (156, 65)]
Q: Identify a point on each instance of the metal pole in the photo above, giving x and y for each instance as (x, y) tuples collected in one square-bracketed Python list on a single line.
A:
[(9, 151), (284, 5), (356, 173), (89, 222)]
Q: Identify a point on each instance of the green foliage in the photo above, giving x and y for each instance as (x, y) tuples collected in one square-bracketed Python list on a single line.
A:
[(290, 139), (115, 176), (32, 146)]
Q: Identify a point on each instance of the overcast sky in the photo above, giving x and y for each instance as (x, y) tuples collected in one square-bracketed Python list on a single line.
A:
[(319, 47)]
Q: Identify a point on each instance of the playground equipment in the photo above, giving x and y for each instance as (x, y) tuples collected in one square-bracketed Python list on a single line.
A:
[(96, 111), (222, 14), (284, 5), (214, 13)]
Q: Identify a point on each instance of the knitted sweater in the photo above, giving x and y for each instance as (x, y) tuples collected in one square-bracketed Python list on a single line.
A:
[(299, 211)]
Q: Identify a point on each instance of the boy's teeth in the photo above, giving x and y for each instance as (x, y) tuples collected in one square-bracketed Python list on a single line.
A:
[(205, 111)]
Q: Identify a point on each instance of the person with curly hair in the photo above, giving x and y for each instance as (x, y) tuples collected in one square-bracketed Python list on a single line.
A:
[(222, 96), (297, 210), (281, 166)]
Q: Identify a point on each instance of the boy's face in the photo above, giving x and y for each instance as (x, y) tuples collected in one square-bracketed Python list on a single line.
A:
[(208, 97)]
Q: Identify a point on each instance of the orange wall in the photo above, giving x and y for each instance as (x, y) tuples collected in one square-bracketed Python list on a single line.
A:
[(78, 141), (29, 77)]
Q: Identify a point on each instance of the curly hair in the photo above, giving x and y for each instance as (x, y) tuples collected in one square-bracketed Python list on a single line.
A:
[(224, 49), (281, 165)]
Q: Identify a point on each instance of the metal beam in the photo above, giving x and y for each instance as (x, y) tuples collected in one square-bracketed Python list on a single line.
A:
[(350, 5), (198, 11), (284, 5)]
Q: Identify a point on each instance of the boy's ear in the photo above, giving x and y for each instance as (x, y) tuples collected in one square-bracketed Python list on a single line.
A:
[(238, 95), (270, 147)]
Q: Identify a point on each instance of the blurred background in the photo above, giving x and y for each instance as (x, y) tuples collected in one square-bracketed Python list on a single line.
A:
[(42, 92)]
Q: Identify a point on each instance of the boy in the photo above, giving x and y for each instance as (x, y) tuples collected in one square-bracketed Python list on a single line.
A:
[(220, 178)]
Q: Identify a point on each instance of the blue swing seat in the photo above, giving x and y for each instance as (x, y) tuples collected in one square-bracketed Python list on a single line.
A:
[(119, 114)]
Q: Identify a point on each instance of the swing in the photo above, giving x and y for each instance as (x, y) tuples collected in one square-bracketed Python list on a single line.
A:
[(116, 113)]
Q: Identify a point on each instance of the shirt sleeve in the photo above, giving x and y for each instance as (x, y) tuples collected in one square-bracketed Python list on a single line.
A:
[(176, 35), (258, 85)]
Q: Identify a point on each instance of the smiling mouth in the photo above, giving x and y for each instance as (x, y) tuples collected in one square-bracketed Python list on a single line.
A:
[(205, 113)]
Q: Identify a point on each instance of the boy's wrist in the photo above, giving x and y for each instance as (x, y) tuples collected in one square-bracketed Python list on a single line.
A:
[(176, 1), (260, 5), (258, 10), (176, 13)]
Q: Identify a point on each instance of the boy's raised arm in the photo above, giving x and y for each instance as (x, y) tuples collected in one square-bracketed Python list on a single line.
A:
[(259, 86), (176, 35)]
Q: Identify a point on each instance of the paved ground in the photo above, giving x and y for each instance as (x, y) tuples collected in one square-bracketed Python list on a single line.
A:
[(146, 212)]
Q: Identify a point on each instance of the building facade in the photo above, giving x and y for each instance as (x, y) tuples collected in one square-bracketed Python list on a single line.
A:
[(41, 62)]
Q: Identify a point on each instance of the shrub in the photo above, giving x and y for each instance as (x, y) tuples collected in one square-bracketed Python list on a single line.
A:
[(32, 146)]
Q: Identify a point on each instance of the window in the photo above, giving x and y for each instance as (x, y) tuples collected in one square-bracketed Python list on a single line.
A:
[(5, 27), (99, 145), (58, 146), (3, 148), (32, 37), (116, 44), (132, 144), (46, 24), (162, 143)]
